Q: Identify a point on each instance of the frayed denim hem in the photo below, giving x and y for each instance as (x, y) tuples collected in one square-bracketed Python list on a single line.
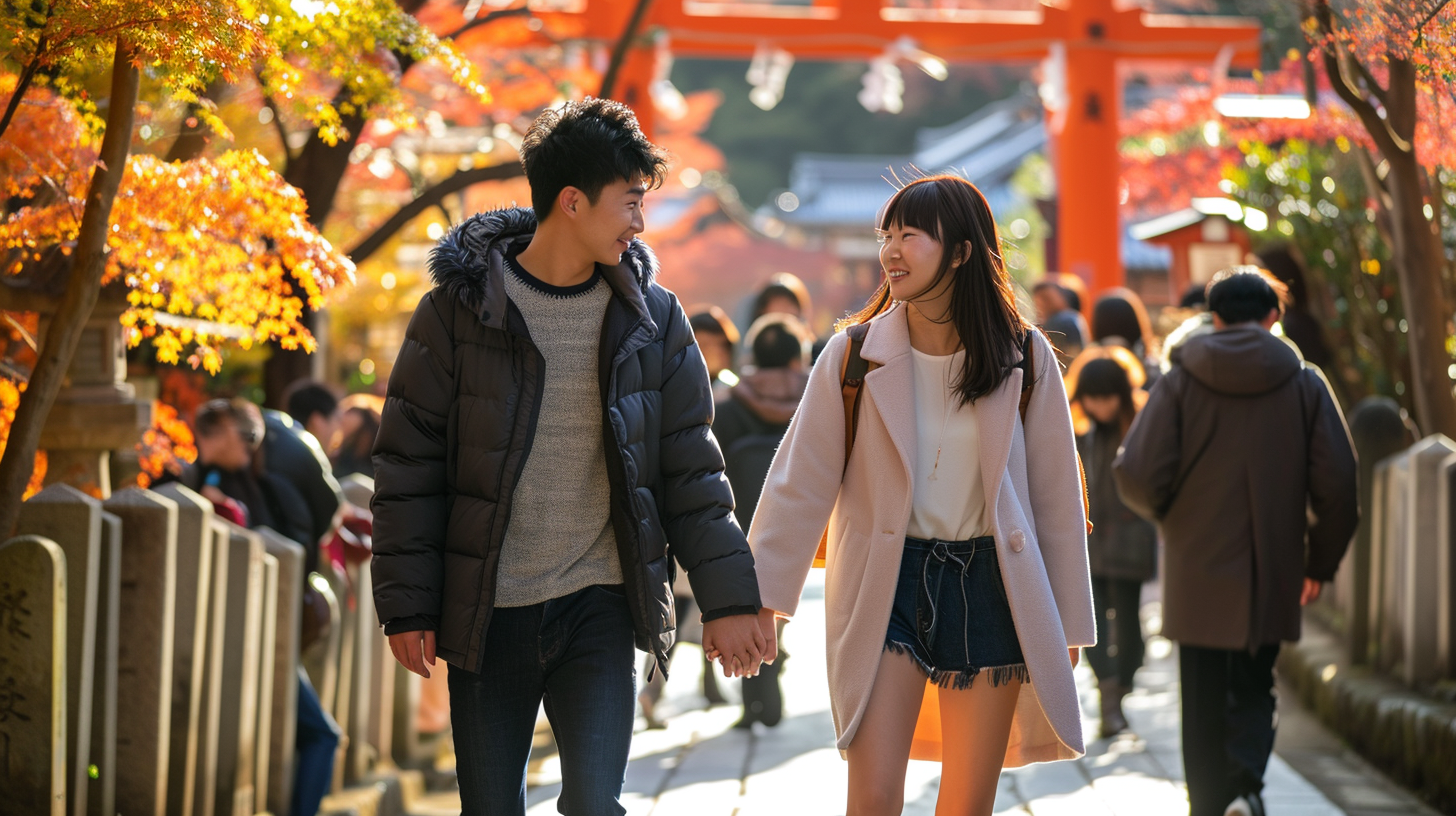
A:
[(962, 679)]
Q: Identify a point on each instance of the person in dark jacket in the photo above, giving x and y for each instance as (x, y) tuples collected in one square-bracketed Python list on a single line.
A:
[(1105, 384), (544, 457), (749, 425), (1239, 447)]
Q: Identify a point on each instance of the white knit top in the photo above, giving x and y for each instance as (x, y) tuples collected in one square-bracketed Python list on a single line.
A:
[(949, 501)]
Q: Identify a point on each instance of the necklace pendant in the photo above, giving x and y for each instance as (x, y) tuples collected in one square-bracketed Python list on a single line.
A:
[(932, 477)]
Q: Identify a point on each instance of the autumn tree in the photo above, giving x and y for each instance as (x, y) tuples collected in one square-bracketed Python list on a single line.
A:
[(84, 214), (1393, 62)]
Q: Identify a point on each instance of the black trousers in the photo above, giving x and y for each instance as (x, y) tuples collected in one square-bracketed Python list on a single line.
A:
[(1119, 650), (1229, 717)]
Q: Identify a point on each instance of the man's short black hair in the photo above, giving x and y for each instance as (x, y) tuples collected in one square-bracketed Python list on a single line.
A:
[(307, 397), (214, 415), (1240, 294), (778, 339), (587, 145), (710, 319)]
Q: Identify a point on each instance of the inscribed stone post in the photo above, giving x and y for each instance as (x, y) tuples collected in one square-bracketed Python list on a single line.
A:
[(321, 662), (144, 654), (407, 749), (33, 675), (1446, 540), (1390, 635), (1425, 559), (381, 720), (267, 645), (361, 756), (72, 519), (284, 714), (189, 641), (237, 728), (1378, 431), (101, 793), (209, 733), (344, 689)]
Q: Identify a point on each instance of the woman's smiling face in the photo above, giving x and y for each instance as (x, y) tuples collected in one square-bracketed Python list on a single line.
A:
[(911, 258)]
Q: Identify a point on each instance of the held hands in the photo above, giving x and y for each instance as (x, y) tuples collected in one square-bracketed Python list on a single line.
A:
[(739, 643), (414, 650)]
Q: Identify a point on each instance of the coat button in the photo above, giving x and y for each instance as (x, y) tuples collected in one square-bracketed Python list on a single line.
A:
[(1018, 541)]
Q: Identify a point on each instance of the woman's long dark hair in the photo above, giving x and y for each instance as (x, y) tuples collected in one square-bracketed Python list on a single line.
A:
[(982, 304)]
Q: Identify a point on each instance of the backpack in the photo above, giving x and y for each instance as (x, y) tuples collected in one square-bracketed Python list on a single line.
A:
[(851, 378)]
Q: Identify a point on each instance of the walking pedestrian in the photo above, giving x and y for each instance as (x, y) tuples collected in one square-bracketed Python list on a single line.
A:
[(543, 458), (1105, 383), (956, 548), (1119, 318), (749, 425), (1240, 445)]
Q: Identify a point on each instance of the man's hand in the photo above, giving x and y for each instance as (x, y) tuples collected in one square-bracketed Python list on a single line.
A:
[(414, 650), (735, 641), (1311, 592), (768, 626)]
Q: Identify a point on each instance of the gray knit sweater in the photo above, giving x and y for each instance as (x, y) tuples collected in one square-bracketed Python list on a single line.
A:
[(560, 537)]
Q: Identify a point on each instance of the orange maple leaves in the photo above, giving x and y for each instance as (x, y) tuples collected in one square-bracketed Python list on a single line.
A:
[(211, 250)]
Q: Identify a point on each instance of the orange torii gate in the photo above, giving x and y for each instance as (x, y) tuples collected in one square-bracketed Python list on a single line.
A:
[(1092, 34)]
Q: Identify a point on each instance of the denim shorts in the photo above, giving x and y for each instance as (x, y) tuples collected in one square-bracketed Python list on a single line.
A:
[(951, 615)]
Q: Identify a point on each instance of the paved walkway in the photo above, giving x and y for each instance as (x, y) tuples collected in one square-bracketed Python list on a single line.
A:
[(700, 766)]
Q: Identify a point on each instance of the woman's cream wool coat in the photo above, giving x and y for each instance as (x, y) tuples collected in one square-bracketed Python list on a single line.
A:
[(1034, 503)]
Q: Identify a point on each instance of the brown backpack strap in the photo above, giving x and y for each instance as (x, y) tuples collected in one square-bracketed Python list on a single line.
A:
[(851, 380)]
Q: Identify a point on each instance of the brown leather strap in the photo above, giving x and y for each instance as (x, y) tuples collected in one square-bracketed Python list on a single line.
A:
[(851, 380)]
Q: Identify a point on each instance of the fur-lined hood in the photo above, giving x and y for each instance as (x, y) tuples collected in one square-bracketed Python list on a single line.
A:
[(468, 263)]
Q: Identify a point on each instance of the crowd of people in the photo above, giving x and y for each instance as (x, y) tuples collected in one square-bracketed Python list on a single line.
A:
[(570, 464)]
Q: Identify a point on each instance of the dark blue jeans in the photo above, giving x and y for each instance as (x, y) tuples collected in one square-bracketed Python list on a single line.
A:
[(576, 653), (1229, 718), (316, 743)]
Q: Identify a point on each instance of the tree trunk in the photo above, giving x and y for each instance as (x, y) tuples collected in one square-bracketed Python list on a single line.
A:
[(64, 331)]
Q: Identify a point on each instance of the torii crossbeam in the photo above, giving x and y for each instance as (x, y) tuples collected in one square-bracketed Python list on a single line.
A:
[(1094, 35)]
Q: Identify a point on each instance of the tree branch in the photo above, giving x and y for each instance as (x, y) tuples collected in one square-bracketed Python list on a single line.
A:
[(1429, 17), (624, 44), (21, 86), (487, 19), (1335, 59), (67, 324), (428, 199)]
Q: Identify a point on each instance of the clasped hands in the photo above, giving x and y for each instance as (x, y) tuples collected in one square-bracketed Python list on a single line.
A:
[(741, 643)]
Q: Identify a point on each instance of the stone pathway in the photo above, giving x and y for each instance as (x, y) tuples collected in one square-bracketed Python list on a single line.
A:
[(700, 766)]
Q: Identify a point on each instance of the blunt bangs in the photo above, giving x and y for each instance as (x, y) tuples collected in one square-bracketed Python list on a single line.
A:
[(917, 205)]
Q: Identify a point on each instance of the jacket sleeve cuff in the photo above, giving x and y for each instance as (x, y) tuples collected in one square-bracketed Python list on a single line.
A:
[(413, 623), (729, 611)]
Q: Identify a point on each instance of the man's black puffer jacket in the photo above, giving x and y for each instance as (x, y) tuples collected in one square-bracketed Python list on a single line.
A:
[(459, 420)]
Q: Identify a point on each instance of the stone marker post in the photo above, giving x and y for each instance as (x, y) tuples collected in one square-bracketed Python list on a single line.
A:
[(72, 520), (362, 755), (1426, 558), (101, 793), (284, 712), (1378, 431), (238, 725), (1389, 635), (33, 676), (1446, 573), (144, 669), (267, 651), (210, 717), (189, 649)]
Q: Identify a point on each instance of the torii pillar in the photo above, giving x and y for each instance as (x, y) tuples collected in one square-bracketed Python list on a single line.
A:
[(1084, 136)]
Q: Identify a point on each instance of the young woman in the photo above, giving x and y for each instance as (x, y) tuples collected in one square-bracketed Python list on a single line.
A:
[(1106, 387), (956, 548)]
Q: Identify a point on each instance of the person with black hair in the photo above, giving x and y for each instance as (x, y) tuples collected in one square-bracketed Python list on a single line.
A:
[(314, 406), (545, 463), (1059, 319), (955, 552), (1119, 317), (717, 337), (1242, 458), (749, 425), (1106, 388), (785, 293)]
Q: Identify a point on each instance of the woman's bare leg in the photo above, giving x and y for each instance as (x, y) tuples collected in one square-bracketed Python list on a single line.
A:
[(881, 747), (975, 724)]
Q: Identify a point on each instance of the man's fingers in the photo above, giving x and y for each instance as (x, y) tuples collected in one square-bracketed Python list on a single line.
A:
[(430, 648)]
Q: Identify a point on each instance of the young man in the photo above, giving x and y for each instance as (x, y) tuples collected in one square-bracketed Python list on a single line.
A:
[(543, 458), (1239, 442), (314, 406)]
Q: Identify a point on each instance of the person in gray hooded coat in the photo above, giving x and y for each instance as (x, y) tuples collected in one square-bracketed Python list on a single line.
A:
[(1239, 444)]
